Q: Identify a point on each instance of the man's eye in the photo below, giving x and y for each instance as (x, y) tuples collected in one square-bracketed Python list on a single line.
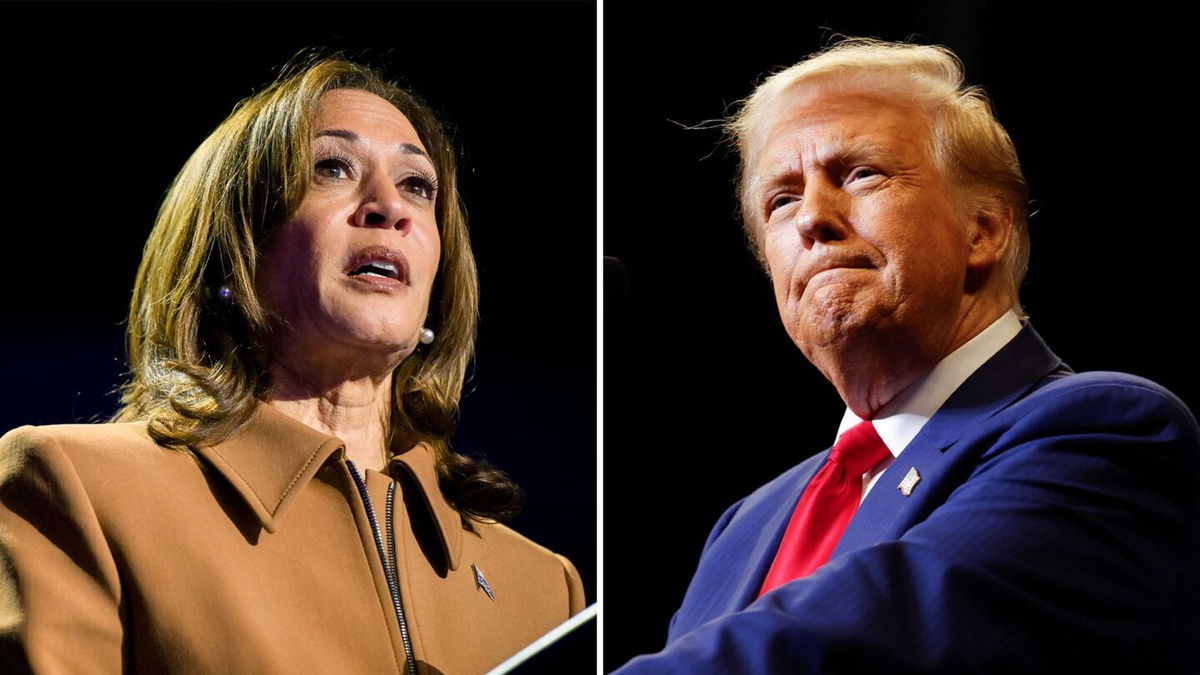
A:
[(780, 202), (861, 172), (332, 167)]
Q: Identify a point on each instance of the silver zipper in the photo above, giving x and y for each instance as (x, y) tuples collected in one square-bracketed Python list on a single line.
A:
[(389, 562)]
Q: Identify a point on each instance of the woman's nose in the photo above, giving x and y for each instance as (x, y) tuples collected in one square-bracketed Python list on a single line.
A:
[(383, 206)]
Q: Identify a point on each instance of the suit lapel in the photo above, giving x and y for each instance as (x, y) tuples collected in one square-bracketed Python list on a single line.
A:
[(778, 512), (887, 513), (736, 561), (734, 565)]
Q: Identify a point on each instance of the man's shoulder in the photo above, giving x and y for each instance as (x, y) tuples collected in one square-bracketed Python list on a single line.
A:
[(1094, 400), (1094, 382), (767, 498), (1083, 418), (1102, 397)]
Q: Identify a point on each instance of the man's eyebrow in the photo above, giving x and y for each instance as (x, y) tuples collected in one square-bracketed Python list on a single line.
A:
[(772, 175), (843, 152), (407, 148), (865, 149)]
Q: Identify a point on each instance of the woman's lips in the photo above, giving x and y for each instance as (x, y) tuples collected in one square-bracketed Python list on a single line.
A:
[(383, 283), (380, 266)]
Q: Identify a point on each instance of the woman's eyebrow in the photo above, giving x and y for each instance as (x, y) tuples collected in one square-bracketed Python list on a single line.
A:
[(407, 148)]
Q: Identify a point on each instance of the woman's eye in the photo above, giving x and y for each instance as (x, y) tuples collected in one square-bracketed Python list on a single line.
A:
[(332, 168), (420, 186)]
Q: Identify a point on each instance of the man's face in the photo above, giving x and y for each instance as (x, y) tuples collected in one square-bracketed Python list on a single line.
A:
[(859, 233)]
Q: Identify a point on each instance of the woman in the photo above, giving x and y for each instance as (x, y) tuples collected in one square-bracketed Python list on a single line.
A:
[(277, 493)]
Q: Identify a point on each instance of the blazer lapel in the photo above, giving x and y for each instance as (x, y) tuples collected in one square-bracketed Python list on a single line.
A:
[(419, 465), (887, 512)]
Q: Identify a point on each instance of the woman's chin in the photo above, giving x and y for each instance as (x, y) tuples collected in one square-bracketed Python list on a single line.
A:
[(355, 349)]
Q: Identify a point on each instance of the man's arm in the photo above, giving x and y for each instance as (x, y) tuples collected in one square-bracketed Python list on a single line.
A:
[(722, 523), (1074, 536), (59, 587)]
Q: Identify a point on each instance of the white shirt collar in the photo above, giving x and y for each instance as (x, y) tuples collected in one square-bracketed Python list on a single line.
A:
[(901, 419)]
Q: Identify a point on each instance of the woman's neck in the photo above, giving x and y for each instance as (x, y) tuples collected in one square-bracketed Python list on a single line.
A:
[(358, 410)]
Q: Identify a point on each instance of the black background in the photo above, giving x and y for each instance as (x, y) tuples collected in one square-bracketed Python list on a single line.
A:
[(104, 102), (706, 398)]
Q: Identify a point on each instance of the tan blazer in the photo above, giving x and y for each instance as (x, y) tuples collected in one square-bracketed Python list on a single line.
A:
[(120, 555)]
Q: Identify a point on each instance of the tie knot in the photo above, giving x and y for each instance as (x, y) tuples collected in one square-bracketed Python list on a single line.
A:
[(859, 449)]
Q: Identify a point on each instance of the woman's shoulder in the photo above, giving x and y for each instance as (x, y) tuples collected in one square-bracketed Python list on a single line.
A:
[(501, 535), (505, 542), (90, 451), (118, 435), (117, 438), (493, 552)]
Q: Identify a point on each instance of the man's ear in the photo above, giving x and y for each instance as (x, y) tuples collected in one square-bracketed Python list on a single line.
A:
[(989, 235)]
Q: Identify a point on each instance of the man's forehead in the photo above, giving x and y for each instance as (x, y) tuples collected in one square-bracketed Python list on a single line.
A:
[(837, 125)]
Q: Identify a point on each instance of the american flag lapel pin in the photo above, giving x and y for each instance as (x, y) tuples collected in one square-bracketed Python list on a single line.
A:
[(481, 582), (910, 481)]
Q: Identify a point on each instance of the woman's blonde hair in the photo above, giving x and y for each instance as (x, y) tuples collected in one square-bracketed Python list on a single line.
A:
[(974, 152), (198, 363)]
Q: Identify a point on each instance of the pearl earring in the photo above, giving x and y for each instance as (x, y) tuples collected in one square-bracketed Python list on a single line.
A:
[(225, 293), (426, 336)]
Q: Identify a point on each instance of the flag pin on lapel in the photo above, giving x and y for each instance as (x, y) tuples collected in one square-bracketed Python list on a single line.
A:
[(481, 582), (910, 481)]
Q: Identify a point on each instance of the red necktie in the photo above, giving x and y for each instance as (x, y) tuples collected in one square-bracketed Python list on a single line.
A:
[(826, 507)]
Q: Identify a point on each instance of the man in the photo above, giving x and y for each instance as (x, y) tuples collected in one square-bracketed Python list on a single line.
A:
[(984, 508)]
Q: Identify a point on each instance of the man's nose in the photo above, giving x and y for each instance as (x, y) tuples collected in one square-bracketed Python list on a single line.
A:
[(821, 217), (383, 205)]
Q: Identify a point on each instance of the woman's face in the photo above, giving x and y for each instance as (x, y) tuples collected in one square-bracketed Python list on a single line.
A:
[(352, 271)]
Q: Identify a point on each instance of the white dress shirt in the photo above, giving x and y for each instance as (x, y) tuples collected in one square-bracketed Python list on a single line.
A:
[(901, 419)]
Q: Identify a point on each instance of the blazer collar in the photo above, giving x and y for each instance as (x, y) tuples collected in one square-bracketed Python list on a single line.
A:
[(1017, 368), (274, 456), (419, 463)]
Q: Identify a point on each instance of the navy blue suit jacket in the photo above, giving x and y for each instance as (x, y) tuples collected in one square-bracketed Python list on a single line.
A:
[(1057, 521)]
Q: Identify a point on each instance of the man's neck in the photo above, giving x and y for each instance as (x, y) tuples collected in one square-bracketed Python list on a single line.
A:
[(873, 376), (900, 420)]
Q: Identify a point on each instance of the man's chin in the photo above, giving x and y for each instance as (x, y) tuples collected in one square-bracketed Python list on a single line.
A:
[(827, 333), (831, 320)]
